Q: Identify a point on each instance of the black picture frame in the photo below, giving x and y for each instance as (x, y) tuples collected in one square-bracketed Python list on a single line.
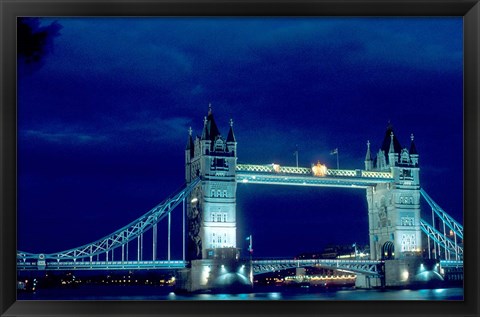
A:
[(10, 9)]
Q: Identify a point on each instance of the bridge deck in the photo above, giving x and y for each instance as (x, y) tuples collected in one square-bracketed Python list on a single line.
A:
[(301, 176), (105, 265), (368, 267)]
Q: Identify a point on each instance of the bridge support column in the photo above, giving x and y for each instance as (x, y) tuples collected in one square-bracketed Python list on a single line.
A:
[(367, 281), (224, 273), (41, 262), (411, 271)]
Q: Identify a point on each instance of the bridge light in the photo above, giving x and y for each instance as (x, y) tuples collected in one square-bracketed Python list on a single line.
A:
[(405, 275), (319, 169), (194, 200), (223, 270), (276, 167), (244, 180), (241, 270)]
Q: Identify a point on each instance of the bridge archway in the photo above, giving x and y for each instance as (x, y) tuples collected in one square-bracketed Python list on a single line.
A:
[(365, 267), (320, 227), (388, 251)]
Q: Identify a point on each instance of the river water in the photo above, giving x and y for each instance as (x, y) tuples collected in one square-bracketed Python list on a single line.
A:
[(100, 292)]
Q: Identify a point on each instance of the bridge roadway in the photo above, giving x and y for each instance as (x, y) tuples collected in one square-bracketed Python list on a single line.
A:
[(259, 266), (366, 267), (103, 265), (301, 176)]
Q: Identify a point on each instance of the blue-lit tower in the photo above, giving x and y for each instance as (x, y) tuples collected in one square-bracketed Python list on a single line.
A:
[(394, 208), (211, 209)]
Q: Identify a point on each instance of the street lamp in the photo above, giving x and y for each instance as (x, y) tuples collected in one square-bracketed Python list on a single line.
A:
[(250, 250)]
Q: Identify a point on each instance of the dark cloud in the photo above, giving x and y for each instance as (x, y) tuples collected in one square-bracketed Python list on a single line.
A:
[(34, 42)]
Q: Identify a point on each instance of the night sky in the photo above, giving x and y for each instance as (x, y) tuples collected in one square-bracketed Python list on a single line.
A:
[(104, 107)]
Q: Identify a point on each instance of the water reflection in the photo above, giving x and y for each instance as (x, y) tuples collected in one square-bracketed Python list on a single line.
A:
[(274, 295), (161, 293)]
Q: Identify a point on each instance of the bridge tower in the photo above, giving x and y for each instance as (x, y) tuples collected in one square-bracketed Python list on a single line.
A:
[(394, 208), (211, 209)]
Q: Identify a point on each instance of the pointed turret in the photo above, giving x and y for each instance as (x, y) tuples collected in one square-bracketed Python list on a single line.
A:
[(413, 151), (397, 148), (206, 143), (231, 136), (368, 158), (391, 152), (212, 128), (205, 135), (231, 142), (189, 156), (387, 145), (190, 146), (381, 160), (413, 148), (391, 149), (210, 132)]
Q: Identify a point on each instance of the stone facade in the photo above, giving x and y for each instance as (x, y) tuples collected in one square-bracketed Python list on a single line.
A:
[(211, 209), (394, 208)]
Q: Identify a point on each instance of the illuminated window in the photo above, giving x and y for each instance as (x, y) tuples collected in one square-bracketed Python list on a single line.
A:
[(407, 221), (408, 242)]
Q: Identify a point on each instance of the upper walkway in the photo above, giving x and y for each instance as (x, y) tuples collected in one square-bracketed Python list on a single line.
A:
[(318, 175)]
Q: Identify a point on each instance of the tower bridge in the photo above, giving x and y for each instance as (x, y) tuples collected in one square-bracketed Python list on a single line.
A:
[(390, 178)]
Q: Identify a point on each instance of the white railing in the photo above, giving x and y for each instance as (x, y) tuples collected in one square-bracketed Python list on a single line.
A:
[(373, 174), (278, 169), (342, 173)]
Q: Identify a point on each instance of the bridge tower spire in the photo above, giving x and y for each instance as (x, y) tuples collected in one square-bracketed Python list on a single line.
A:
[(368, 158), (211, 207), (394, 208), (413, 151)]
